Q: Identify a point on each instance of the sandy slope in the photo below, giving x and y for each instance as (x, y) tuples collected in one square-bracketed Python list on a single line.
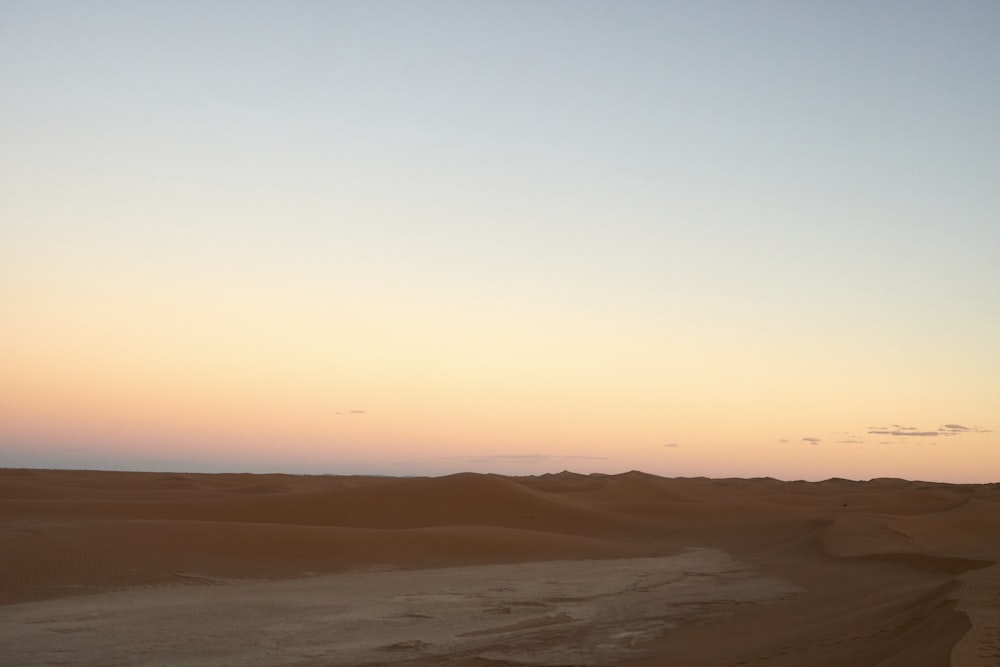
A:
[(888, 572)]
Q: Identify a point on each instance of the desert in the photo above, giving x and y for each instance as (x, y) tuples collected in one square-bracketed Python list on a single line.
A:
[(131, 568)]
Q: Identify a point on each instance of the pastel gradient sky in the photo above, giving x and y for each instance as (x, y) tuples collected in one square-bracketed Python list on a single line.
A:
[(692, 238)]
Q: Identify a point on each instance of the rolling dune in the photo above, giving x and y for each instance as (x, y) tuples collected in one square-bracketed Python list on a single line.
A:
[(884, 572)]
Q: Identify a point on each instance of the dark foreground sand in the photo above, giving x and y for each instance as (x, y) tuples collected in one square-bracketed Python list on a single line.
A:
[(100, 568)]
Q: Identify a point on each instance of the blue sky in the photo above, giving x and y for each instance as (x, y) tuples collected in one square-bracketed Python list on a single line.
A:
[(719, 225)]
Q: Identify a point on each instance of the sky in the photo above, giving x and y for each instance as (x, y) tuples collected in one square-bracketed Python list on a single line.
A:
[(722, 239)]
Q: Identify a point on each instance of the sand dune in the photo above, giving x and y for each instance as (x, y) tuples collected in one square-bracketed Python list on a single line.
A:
[(885, 572)]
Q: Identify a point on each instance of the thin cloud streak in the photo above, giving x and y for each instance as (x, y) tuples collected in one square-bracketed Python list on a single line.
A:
[(949, 430)]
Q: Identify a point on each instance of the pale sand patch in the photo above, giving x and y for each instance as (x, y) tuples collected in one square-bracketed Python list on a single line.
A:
[(979, 598), (543, 613)]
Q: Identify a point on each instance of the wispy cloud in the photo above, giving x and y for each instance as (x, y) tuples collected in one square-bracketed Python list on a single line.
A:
[(671, 444), (958, 429), (914, 432), (812, 441), (352, 412), (904, 432)]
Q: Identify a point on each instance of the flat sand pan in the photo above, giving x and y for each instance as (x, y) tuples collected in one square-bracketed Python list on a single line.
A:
[(595, 612)]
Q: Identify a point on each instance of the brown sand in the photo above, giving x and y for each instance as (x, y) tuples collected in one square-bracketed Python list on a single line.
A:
[(105, 568)]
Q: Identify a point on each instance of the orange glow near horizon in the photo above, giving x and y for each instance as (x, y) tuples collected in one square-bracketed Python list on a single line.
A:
[(418, 251), (275, 406)]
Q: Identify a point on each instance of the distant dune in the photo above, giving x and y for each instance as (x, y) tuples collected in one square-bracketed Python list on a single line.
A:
[(473, 569)]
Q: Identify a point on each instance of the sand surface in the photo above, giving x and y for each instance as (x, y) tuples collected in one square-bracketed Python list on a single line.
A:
[(100, 568), (591, 612)]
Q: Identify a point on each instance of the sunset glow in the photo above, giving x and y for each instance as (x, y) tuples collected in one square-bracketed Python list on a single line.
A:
[(696, 240)]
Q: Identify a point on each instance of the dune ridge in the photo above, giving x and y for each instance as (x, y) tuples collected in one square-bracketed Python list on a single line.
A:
[(892, 572)]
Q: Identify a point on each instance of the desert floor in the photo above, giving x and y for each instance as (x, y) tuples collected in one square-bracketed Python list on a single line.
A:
[(121, 568)]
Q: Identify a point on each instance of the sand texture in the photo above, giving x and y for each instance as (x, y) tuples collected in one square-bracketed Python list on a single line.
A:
[(102, 568)]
